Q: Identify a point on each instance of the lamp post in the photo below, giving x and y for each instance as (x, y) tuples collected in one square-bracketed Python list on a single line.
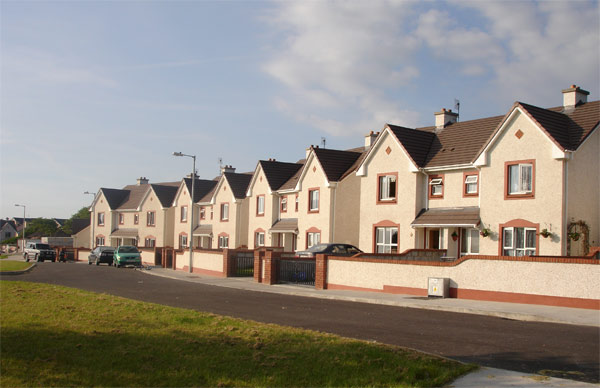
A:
[(23, 234), (93, 242), (191, 239)]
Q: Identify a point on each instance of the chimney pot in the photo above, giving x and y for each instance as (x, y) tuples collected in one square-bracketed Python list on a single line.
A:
[(573, 96), (444, 118)]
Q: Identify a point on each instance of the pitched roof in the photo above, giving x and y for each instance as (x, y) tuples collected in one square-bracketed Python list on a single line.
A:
[(278, 173), (114, 197), (461, 142), (78, 224), (201, 187), (335, 163), (451, 216), (166, 192), (8, 222), (131, 196), (238, 183), (291, 183)]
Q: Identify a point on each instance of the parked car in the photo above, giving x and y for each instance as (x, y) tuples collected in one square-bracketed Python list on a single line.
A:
[(39, 252), (330, 249), (127, 255), (101, 254)]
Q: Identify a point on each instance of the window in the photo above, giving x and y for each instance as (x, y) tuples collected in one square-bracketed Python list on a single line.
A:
[(520, 178), (519, 241), (224, 211), (136, 218), (259, 239), (297, 202), (223, 241), (184, 214), (386, 240), (183, 241), (313, 200), (99, 240), (202, 213), (100, 219), (149, 242), (283, 204), (313, 238), (436, 186), (260, 205), (150, 221), (387, 188), (211, 212), (121, 219), (471, 187), (469, 242)]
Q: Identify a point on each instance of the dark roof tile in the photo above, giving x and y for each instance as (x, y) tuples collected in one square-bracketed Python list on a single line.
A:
[(278, 173)]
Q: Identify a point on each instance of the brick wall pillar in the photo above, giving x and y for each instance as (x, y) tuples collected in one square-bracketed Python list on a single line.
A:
[(228, 262), (270, 263), (321, 272), (259, 255)]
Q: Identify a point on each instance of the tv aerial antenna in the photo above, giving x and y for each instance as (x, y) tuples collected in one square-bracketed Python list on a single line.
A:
[(457, 108), (323, 142)]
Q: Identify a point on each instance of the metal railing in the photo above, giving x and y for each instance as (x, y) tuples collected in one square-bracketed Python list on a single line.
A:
[(244, 264), (296, 272)]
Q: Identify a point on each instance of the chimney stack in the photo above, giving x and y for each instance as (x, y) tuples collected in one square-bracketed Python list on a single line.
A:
[(370, 139), (574, 96), (226, 168), (142, 181), (444, 118)]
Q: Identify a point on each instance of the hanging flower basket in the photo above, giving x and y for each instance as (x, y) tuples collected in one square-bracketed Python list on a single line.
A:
[(454, 236), (484, 232), (545, 233), (574, 236)]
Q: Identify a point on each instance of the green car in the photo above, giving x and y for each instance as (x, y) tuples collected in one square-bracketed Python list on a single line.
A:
[(127, 255)]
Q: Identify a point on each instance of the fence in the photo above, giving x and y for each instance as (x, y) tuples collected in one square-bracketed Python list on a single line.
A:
[(243, 264), (301, 272)]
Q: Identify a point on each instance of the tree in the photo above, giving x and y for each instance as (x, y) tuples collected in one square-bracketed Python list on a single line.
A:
[(82, 214), (41, 227)]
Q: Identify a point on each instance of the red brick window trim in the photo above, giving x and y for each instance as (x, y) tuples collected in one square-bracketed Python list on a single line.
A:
[(202, 213), (136, 219), (385, 238), (260, 205), (223, 240), (283, 202), (121, 218), (471, 184), (184, 214), (313, 237), (224, 212), (314, 200), (519, 237), (436, 186), (259, 238), (519, 179), (151, 218), (150, 241), (387, 188), (101, 219)]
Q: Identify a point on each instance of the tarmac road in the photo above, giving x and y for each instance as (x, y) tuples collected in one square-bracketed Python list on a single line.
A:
[(573, 352)]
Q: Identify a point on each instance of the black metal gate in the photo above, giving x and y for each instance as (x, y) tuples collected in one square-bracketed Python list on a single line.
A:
[(296, 272), (244, 264)]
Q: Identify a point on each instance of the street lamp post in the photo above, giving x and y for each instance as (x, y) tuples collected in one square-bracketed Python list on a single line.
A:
[(93, 242), (191, 239), (23, 234)]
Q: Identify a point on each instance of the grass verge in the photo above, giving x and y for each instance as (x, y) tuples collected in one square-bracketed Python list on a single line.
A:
[(8, 265), (58, 336), (3, 257)]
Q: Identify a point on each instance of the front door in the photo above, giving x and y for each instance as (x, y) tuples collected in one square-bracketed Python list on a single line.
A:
[(433, 242)]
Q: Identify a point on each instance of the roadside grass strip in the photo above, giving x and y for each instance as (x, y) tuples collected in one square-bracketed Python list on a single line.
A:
[(3, 257), (8, 265), (59, 336)]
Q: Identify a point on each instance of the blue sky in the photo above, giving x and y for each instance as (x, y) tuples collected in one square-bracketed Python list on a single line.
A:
[(97, 94)]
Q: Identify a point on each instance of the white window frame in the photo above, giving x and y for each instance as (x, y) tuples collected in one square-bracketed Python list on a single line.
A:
[(223, 241), (150, 218), (100, 219), (313, 238), (471, 184), (224, 211), (149, 242), (259, 239), (283, 204), (183, 241), (297, 203), (509, 246), (136, 219), (436, 187), (468, 237), (524, 181), (183, 214), (260, 205), (384, 239), (99, 241), (313, 200), (385, 187), (121, 218)]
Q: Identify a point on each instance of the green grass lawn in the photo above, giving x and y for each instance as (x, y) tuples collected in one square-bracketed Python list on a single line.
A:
[(58, 336), (3, 257), (9, 265)]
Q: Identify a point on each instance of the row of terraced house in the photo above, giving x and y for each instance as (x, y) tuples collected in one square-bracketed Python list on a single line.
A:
[(525, 184)]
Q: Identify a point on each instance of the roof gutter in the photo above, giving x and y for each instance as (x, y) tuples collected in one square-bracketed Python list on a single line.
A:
[(448, 168)]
